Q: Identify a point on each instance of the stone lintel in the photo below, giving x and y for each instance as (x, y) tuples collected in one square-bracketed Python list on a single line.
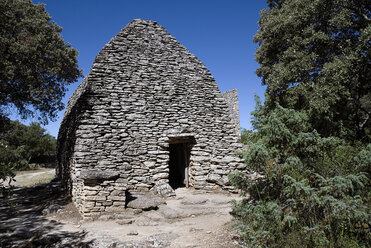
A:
[(98, 175)]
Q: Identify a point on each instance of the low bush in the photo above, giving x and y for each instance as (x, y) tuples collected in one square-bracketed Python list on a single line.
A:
[(312, 192)]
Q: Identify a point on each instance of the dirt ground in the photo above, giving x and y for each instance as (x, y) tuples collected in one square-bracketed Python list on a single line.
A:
[(33, 177), (40, 216)]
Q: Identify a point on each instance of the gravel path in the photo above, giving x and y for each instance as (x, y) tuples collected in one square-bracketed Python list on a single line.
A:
[(31, 178)]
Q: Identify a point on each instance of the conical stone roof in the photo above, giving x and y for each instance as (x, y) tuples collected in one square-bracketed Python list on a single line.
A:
[(144, 49)]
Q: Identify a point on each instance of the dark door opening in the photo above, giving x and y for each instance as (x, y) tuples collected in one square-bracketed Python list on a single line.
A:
[(178, 165)]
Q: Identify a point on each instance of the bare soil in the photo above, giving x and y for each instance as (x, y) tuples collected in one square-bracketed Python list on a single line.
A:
[(33, 177), (41, 217)]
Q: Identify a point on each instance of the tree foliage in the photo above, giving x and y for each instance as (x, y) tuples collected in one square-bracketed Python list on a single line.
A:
[(21, 145), (36, 64), (310, 146), (314, 56), (312, 191)]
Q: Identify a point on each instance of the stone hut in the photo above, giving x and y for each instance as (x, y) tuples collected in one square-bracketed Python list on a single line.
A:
[(149, 116)]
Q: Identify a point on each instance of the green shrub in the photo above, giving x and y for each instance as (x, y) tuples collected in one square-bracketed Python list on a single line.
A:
[(312, 189), (310, 143)]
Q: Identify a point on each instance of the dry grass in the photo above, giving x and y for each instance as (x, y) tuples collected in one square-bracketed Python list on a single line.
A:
[(40, 169), (33, 177)]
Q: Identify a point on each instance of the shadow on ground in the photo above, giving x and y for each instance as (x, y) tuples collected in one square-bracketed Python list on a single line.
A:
[(22, 223)]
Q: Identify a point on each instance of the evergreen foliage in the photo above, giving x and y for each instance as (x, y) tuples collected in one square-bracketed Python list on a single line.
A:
[(246, 136), (310, 146), (314, 56), (312, 189), (36, 64)]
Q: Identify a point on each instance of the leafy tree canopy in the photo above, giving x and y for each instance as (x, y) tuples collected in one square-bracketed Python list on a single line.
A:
[(314, 56), (36, 64), (311, 144), (21, 145)]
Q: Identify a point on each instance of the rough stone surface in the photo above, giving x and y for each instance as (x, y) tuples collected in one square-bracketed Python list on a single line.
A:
[(169, 213), (146, 202), (144, 92), (99, 174), (133, 233), (194, 200), (163, 189), (124, 221), (231, 98)]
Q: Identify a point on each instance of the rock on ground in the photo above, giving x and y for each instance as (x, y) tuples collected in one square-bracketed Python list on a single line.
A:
[(146, 202), (178, 224)]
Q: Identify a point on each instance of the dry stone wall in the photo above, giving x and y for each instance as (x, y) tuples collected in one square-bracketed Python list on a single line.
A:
[(144, 92), (231, 97)]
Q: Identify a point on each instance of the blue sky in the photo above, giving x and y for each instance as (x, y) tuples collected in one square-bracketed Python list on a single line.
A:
[(219, 32)]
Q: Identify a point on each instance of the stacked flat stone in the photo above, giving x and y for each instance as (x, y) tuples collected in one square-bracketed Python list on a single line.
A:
[(231, 97), (143, 90)]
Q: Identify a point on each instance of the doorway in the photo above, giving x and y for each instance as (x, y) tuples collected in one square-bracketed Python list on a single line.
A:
[(179, 164)]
